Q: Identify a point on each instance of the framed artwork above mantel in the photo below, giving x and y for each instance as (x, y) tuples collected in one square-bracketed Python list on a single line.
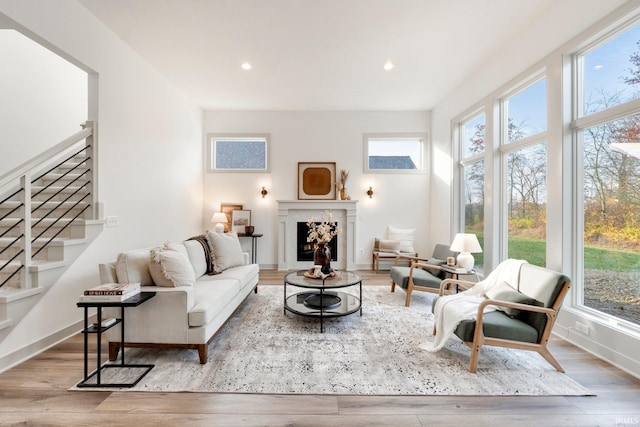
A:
[(316, 180)]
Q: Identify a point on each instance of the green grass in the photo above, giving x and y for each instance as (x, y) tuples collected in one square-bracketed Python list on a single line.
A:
[(534, 251)]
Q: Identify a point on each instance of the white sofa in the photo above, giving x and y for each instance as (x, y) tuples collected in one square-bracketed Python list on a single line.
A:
[(181, 316)]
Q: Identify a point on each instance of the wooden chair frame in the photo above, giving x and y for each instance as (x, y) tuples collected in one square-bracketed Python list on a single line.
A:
[(479, 339), (376, 257)]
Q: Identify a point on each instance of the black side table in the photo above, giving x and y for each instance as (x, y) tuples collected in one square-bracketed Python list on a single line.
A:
[(254, 245), (98, 330)]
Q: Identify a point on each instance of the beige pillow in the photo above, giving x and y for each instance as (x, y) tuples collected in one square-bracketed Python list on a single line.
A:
[(226, 250), (133, 266), (389, 246), (170, 267), (404, 236)]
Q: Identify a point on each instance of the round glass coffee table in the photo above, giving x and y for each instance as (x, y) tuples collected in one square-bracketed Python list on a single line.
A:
[(322, 298)]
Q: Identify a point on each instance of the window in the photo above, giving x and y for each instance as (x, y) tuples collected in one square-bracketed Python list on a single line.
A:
[(526, 111), (394, 153), (472, 146), (523, 152), (609, 174), (526, 204), (238, 153)]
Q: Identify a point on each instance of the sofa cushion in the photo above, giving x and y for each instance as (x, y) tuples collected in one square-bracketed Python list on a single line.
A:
[(389, 246), (503, 291), (497, 324), (169, 266), (226, 250), (404, 236), (400, 275), (196, 255), (211, 297), (133, 266), (244, 274)]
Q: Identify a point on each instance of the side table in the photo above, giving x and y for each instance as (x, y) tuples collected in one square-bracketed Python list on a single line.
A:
[(98, 330), (254, 245)]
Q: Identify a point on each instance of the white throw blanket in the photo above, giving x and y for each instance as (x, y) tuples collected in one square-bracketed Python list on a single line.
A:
[(450, 310)]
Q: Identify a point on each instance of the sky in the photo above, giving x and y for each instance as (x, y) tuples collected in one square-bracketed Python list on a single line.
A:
[(604, 69)]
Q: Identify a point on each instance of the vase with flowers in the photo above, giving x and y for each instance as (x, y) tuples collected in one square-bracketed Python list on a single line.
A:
[(320, 234), (341, 184)]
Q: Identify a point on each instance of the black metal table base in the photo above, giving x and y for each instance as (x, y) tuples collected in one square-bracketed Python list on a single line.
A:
[(87, 381)]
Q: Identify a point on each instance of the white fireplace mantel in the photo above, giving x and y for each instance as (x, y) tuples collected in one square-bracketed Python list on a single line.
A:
[(290, 212)]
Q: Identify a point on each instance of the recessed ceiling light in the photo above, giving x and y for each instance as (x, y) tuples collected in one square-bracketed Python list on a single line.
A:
[(388, 66), (246, 66)]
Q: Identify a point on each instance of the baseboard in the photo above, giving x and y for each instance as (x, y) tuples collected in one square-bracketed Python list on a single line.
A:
[(615, 358), (27, 352)]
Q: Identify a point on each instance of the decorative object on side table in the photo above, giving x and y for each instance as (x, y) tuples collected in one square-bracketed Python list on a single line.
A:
[(249, 229), (320, 234), (227, 209), (466, 243), (220, 220), (341, 184), (240, 219)]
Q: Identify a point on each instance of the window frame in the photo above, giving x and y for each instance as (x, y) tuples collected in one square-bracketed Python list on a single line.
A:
[(239, 137), (579, 123), (420, 169)]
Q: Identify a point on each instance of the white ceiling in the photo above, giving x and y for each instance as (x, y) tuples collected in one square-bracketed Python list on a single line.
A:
[(316, 54)]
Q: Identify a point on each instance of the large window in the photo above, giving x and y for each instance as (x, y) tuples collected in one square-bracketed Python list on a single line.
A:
[(394, 153), (523, 128), (472, 144), (238, 153), (608, 84)]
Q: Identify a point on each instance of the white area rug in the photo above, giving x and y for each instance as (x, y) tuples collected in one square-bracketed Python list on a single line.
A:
[(262, 350)]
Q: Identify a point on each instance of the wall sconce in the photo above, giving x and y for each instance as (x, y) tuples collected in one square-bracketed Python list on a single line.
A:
[(264, 192), (370, 192)]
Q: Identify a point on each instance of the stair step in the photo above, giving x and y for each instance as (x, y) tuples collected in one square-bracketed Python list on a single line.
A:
[(61, 178), (8, 295)]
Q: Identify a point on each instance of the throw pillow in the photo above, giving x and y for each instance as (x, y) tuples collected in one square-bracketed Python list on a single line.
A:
[(392, 246), (504, 292), (226, 250), (133, 266), (170, 267), (404, 235)]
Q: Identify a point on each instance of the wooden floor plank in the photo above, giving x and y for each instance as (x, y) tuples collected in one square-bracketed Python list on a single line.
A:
[(35, 393)]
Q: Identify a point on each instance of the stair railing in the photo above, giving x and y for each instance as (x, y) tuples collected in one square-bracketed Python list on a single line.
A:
[(17, 184)]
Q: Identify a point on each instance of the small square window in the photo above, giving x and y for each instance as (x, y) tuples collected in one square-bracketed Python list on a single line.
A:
[(394, 153), (238, 153)]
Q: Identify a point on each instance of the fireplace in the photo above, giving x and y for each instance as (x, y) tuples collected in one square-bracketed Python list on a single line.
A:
[(291, 212), (304, 249)]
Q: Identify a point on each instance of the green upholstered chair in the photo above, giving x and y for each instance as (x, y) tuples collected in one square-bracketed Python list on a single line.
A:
[(423, 274), (525, 315)]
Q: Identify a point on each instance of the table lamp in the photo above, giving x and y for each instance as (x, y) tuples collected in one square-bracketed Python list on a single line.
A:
[(220, 219), (465, 243)]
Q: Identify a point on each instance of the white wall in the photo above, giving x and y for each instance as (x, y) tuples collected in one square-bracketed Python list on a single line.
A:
[(537, 47), (150, 159), (44, 99), (399, 200)]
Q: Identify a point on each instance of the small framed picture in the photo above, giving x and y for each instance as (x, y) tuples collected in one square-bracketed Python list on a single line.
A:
[(240, 219), (316, 180), (227, 209)]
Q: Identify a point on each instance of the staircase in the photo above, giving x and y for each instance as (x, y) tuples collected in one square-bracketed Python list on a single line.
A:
[(48, 216)]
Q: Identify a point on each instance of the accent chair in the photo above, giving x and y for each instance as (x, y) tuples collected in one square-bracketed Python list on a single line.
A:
[(422, 274)]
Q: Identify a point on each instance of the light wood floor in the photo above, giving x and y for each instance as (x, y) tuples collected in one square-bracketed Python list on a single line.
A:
[(35, 394)]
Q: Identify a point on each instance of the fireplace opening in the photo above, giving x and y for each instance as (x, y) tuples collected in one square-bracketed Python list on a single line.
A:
[(304, 249)]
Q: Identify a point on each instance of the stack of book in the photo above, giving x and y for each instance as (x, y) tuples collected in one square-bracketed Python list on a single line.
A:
[(110, 292)]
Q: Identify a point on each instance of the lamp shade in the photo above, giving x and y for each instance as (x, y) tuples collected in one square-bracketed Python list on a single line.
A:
[(465, 243), (219, 219)]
